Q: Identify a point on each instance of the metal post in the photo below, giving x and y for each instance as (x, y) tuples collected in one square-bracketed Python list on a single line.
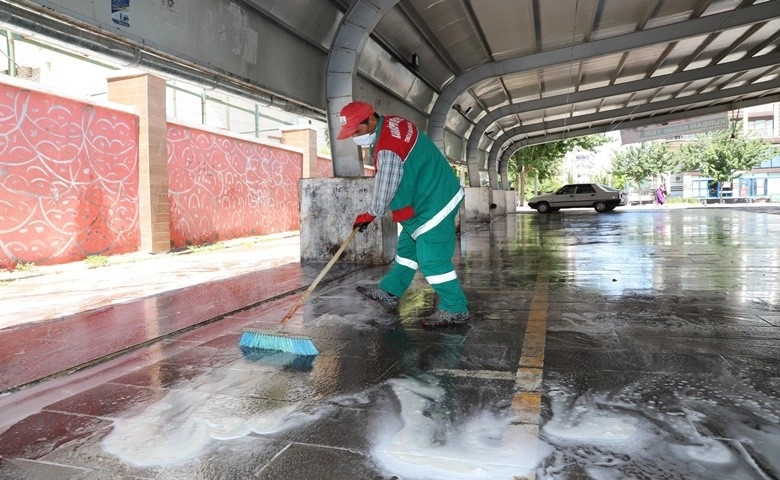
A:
[(9, 38), (257, 121), (203, 106)]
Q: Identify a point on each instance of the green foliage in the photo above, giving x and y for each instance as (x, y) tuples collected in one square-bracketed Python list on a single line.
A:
[(94, 261), (24, 267), (543, 161), (683, 201), (725, 154), (550, 185), (206, 248), (611, 179), (643, 161)]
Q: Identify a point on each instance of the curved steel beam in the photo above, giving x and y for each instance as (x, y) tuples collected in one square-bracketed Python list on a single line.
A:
[(492, 172), (503, 173), (514, 142), (664, 34), (349, 40), (649, 108), (478, 132)]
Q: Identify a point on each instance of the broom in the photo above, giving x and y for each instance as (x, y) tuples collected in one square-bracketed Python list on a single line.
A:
[(277, 340)]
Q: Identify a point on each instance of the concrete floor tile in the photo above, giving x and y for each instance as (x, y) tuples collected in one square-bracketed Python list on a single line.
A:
[(315, 461), (44, 432), (20, 469)]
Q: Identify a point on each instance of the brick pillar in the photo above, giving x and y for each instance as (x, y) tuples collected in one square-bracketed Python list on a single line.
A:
[(306, 140), (147, 93)]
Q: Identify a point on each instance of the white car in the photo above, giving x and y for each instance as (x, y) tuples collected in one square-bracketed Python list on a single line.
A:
[(578, 195)]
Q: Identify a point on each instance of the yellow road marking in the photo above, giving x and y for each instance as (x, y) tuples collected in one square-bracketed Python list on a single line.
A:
[(527, 401)]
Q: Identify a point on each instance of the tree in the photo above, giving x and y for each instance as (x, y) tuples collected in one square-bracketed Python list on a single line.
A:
[(725, 154), (644, 161), (543, 161)]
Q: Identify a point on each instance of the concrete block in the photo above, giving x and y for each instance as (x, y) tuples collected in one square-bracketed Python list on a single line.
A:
[(499, 200), (328, 208), (477, 205), (511, 201)]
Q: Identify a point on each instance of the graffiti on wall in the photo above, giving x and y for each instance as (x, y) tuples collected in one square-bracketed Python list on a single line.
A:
[(221, 187), (68, 179)]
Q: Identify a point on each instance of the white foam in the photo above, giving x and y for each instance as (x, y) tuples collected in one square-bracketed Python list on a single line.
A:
[(593, 426), (183, 424), (337, 324), (426, 448), (710, 452), (653, 429)]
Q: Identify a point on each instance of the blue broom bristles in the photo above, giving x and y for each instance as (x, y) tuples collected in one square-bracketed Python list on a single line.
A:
[(287, 361), (283, 343)]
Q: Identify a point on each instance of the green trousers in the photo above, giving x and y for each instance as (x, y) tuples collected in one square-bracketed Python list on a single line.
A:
[(432, 253)]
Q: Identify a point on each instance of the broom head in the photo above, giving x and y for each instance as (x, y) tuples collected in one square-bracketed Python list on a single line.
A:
[(275, 358), (295, 344)]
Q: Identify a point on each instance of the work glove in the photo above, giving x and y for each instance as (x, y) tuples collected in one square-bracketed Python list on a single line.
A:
[(362, 221)]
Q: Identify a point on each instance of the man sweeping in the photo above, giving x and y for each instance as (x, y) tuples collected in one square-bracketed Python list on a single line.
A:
[(417, 183)]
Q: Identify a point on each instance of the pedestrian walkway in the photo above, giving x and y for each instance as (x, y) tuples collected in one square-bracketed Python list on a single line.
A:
[(637, 344), (51, 292)]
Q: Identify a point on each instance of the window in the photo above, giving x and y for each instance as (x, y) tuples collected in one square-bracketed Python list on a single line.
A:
[(773, 162), (763, 127)]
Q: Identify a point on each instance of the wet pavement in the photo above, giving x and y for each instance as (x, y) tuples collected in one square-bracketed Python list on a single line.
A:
[(641, 344)]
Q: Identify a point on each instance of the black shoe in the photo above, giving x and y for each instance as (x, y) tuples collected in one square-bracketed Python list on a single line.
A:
[(443, 318), (387, 300)]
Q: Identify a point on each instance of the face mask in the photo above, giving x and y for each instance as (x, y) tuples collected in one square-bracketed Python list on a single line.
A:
[(365, 140)]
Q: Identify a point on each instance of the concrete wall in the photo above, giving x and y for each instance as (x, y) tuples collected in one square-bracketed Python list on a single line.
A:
[(223, 186), (68, 178), (477, 205), (328, 208), (499, 200)]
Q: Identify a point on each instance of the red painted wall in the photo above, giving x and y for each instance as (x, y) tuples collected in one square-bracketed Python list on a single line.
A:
[(324, 167), (222, 187), (68, 179)]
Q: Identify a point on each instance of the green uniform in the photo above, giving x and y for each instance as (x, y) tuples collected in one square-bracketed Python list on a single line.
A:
[(425, 203)]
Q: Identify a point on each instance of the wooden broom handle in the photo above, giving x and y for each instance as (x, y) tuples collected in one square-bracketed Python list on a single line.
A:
[(319, 277)]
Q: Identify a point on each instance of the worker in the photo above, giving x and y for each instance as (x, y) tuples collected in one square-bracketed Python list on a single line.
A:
[(417, 183)]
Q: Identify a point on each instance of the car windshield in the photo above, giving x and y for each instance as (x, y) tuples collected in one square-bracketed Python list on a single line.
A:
[(608, 189)]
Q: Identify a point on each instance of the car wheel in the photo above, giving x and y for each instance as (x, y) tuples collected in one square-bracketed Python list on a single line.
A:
[(600, 207), (543, 207)]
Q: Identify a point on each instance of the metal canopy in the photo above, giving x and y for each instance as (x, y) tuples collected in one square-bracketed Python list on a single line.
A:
[(532, 71)]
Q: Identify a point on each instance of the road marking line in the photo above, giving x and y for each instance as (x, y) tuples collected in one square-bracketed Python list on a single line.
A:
[(523, 430), (527, 401)]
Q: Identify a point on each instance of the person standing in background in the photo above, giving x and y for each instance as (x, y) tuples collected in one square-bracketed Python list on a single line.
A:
[(660, 195), (419, 186)]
